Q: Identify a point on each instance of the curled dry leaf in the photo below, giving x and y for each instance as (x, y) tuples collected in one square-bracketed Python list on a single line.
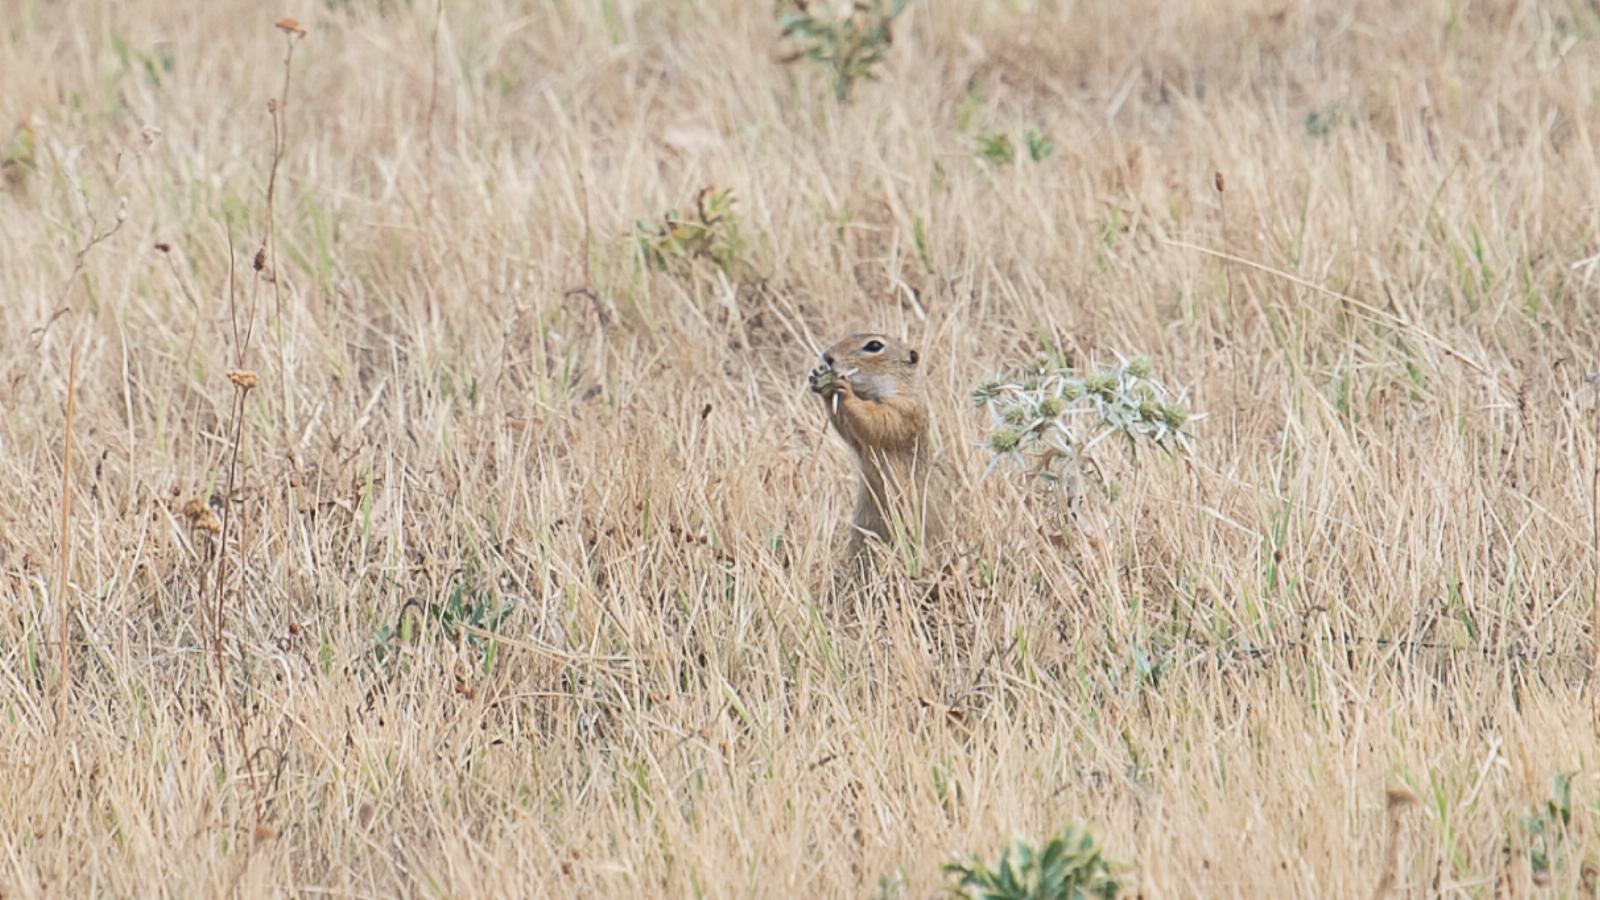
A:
[(1400, 796)]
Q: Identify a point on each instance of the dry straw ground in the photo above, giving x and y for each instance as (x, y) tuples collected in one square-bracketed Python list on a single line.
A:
[(518, 593)]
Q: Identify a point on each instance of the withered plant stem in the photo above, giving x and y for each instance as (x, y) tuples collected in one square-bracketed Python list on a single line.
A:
[(63, 607)]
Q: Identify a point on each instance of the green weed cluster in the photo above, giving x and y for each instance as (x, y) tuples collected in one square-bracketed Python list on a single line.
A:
[(1069, 867), (1047, 417), (850, 46), (707, 232)]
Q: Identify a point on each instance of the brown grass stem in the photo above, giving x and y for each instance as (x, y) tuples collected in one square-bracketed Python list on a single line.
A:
[(64, 547)]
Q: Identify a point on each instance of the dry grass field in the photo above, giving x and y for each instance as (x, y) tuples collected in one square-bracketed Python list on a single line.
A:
[(509, 575)]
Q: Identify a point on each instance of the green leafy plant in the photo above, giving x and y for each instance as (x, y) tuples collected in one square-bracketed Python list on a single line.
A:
[(1546, 830), (1320, 122), (1070, 867), (708, 232), (1039, 146), (1048, 417), (997, 147), (470, 617), (849, 46)]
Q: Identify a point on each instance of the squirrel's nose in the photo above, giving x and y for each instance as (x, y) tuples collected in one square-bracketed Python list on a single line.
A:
[(827, 359)]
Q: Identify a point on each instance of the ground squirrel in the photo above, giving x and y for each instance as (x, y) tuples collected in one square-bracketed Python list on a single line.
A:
[(873, 392)]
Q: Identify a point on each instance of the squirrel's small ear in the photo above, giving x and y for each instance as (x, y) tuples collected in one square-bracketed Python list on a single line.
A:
[(913, 357)]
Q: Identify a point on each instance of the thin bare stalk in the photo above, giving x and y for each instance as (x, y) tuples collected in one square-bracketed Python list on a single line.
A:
[(65, 553), (1221, 184), (279, 109), (1594, 561), (433, 101), (227, 519)]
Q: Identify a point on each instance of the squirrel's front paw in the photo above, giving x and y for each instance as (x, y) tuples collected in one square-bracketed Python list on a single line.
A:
[(825, 381)]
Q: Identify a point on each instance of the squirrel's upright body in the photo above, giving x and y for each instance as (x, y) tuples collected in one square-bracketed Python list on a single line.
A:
[(873, 392)]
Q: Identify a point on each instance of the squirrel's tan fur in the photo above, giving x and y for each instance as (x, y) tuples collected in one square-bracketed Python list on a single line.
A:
[(872, 388)]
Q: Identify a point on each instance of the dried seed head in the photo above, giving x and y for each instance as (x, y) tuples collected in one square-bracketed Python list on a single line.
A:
[(261, 259), (289, 25), (208, 521), (163, 246), (1220, 182), (194, 509), (245, 380)]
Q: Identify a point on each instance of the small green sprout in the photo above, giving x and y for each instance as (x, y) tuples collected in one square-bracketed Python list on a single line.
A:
[(997, 148), (985, 392)]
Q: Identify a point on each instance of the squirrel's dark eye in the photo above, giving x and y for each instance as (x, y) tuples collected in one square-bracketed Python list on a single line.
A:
[(873, 346)]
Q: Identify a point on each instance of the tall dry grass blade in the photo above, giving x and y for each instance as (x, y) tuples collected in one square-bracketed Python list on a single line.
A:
[(1370, 310), (1594, 571), (64, 551)]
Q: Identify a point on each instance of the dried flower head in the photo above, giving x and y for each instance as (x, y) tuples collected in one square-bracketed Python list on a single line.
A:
[(290, 25), (243, 379)]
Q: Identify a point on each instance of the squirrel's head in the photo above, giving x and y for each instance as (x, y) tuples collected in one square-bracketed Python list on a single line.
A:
[(876, 365)]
